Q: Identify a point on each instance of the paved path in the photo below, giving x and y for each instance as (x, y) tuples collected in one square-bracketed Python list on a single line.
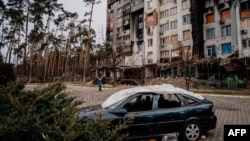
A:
[(229, 109)]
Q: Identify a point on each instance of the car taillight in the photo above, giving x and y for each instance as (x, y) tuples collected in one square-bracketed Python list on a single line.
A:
[(213, 111)]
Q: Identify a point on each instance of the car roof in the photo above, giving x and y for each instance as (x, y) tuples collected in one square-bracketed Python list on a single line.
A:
[(165, 88)]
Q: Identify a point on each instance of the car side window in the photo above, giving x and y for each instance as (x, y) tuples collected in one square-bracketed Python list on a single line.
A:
[(189, 102), (139, 103), (168, 101)]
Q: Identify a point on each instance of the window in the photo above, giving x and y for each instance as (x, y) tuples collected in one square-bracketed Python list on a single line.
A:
[(162, 41), (150, 42), (140, 25), (139, 103), (190, 102), (164, 54), (119, 29), (119, 10), (210, 18), (225, 14), (175, 53), (173, 24), (126, 37), (186, 35), (162, 2), (226, 31), (210, 34), (223, 1), (119, 20), (150, 29), (226, 48), (168, 39), (164, 27), (245, 5), (150, 57), (173, 11), (209, 3), (168, 101), (245, 23), (245, 43), (164, 14), (185, 4), (174, 38), (186, 19), (150, 4), (211, 51)]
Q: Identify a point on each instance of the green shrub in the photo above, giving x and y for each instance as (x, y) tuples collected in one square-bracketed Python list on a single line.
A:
[(6, 73), (47, 113)]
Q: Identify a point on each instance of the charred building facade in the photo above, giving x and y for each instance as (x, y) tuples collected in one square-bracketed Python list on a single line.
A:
[(159, 38)]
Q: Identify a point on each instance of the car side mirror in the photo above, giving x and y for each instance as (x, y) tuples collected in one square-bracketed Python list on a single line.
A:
[(120, 111)]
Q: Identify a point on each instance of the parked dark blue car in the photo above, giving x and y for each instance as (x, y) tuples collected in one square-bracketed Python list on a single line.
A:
[(158, 110)]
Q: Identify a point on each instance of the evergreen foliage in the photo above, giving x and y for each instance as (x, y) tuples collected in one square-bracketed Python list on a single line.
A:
[(6, 73), (47, 113)]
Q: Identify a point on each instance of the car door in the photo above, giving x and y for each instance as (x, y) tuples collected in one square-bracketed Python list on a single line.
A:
[(169, 114), (140, 110)]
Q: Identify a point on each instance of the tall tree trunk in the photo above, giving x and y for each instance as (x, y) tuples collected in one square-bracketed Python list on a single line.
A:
[(31, 61), (46, 50), (87, 55), (25, 67)]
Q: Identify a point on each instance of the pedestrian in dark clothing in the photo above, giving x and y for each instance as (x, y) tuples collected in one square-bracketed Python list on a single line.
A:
[(99, 83)]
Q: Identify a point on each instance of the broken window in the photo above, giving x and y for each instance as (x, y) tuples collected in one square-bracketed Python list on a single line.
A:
[(150, 29), (168, 39), (225, 14), (225, 31), (211, 51), (119, 10), (186, 19), (150, 57), (162, 40), (245, 43), (174, 38), (210, 33), (210, 18), (175, 53), (226, 48), (119, 20), (186, 35), (126, 37), (165, 54), (245, 5)]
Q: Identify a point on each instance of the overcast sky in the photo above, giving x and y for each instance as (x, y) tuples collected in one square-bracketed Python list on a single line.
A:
[(99, 15)]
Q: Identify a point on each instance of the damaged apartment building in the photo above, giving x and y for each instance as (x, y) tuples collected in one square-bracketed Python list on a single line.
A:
[(160, 38)]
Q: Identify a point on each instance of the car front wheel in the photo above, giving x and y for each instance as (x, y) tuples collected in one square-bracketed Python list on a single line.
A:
[(192, 131)]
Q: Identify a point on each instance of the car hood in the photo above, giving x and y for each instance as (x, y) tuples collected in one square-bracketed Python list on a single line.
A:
[(93, 112)]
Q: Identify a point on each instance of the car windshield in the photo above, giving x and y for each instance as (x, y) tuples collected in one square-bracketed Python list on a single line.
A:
[(113, 105)]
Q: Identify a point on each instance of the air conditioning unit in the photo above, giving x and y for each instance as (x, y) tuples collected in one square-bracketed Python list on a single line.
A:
[(244, 31), (222, 21)]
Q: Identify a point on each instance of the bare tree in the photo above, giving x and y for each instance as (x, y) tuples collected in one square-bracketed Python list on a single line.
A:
[(88, 44)]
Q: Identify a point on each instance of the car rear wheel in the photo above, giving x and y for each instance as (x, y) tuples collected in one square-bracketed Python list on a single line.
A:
[(192, 131)]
